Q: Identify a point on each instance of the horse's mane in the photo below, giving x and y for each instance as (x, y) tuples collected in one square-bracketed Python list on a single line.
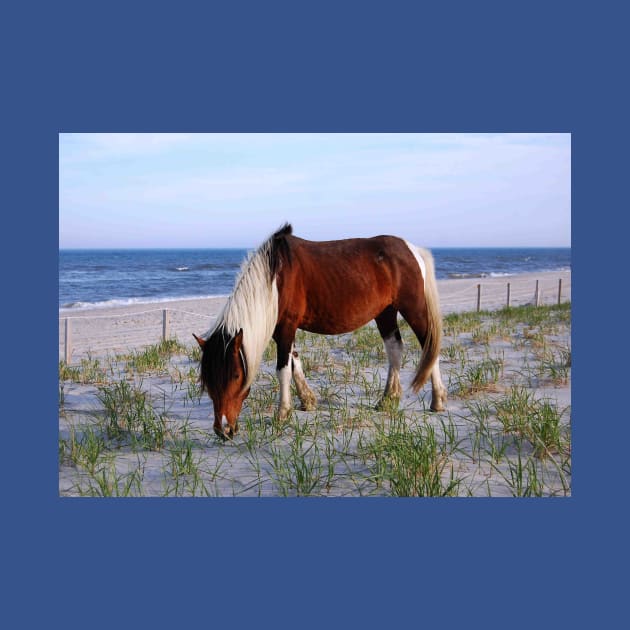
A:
[(253, 305)]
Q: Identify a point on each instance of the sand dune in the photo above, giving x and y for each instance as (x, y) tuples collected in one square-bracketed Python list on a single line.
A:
[(347, 390)]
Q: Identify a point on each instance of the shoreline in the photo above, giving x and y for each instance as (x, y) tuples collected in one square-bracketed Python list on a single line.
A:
[(131, 303), (66, 311), (140, 307), (112, 329)]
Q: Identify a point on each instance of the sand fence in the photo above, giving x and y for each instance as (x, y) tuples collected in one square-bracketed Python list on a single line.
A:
[(470, 294), (116, 330)]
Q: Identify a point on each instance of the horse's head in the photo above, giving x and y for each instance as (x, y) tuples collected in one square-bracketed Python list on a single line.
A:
[(223, 376)]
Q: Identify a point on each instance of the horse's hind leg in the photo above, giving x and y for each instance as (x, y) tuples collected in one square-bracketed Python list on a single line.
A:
[(438, 392), (388, 328)]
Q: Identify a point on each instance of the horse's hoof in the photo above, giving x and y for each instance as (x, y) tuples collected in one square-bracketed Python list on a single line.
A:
[(310, 404), (387, 402), (439, 396)]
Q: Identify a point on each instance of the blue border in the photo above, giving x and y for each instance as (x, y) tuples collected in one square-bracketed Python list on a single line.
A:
[(280, 66)]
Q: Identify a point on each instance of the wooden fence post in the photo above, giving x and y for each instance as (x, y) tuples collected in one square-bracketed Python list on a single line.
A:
[(67, 351), (165, 324), (559, 290), (478, 297), (508, 295), (536, 295)]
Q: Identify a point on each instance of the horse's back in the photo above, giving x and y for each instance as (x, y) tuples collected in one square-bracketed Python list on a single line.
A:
[(338, 286), (353, 252)]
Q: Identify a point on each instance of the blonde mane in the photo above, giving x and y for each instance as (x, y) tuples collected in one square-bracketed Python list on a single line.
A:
[(253, 306)]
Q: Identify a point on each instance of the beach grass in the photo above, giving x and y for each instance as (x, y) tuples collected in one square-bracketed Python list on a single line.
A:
[(136, 424)]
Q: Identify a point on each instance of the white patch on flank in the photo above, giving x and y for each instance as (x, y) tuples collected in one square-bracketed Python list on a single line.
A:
[(416, 254)]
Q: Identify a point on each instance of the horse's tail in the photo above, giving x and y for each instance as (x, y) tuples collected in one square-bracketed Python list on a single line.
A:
[(433, 341)]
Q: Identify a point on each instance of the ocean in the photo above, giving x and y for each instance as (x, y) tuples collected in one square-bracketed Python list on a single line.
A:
[(93, 278)]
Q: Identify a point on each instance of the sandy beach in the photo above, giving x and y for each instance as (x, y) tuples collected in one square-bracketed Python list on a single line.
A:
[(114, 330), (146, 431)]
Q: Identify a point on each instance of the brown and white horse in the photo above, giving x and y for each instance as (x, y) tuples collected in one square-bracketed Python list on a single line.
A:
[(328, 287)]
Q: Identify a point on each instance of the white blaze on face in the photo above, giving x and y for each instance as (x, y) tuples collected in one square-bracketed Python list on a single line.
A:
[(224, 423), (416, 255)]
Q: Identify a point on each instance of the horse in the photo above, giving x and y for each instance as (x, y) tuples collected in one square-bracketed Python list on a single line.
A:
[(323, 287)]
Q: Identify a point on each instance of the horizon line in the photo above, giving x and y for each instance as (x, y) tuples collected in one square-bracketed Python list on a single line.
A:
[(236, 247)]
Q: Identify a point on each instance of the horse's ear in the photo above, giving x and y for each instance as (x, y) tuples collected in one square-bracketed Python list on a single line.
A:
[(200, 341), (238, 341)]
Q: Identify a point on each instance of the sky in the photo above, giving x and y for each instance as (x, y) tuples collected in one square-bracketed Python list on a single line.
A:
[(233, 190)]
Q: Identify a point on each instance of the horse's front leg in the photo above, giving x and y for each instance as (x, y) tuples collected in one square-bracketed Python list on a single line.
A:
[(307, 397), (284, 344)]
